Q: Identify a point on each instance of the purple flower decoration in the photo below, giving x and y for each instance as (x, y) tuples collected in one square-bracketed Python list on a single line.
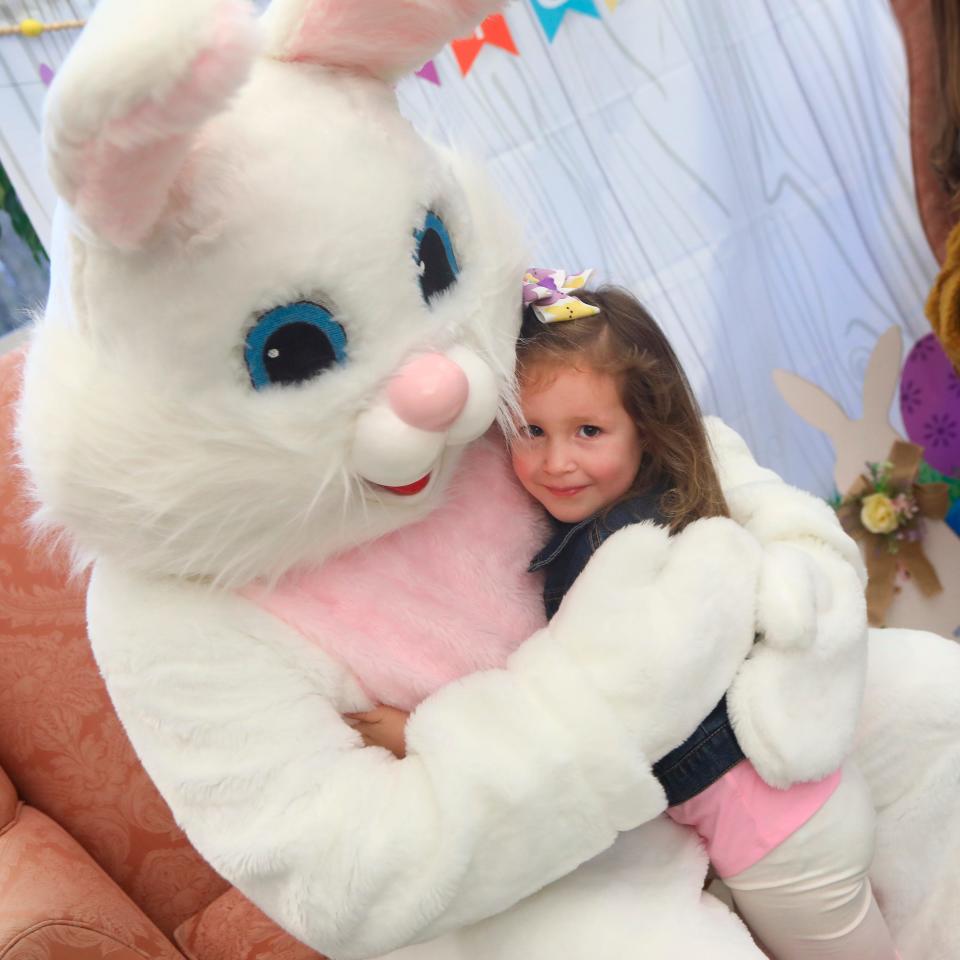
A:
[(926, 347), (911, 395), (939, 431), (953, 385)]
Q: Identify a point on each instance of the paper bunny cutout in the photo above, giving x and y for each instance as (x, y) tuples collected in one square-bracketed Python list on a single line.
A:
[(868, 439)]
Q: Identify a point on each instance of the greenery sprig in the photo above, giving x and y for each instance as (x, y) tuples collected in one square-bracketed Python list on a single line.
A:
[(18, 217)]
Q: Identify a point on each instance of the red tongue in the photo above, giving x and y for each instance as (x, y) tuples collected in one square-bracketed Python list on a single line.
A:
[(410, 488)]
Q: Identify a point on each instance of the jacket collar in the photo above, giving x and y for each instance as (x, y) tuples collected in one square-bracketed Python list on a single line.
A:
[(563, 534)]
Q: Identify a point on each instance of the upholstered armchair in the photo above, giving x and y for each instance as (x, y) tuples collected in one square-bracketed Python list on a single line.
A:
[(91, 863)]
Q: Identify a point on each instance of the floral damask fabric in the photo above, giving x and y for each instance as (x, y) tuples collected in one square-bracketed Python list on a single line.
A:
[(67, 755), (58, 903), (232, 928), (9, 801), (63, 941), (60, 741)]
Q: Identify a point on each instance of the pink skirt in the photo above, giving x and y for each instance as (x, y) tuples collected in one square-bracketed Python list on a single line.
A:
[(741, 819)]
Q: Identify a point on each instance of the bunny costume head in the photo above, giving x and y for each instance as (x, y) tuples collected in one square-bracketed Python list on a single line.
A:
[(286, 313)]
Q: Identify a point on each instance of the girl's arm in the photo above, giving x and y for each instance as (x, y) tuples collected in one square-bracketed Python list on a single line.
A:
[(796, 700), (382, 726), (512, 777)]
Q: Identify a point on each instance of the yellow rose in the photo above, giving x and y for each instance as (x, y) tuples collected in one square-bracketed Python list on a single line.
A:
[(878, 513)]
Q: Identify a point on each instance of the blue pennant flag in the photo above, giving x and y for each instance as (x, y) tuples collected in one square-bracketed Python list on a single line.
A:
[(551, 13)]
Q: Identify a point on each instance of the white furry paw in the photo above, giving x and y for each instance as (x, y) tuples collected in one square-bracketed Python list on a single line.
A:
[(791, 593), (660, 625)]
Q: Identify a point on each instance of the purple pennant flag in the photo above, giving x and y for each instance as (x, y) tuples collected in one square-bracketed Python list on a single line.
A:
[(46, 74), (429, 72)]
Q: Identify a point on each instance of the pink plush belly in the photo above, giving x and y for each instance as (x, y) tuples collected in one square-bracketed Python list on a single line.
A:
[(433, 601)]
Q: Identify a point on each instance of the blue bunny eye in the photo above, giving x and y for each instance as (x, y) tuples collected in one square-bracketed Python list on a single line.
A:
[(435, 258), (293, 343)]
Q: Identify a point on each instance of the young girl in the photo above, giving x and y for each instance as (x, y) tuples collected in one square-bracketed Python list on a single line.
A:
[(612, 436)]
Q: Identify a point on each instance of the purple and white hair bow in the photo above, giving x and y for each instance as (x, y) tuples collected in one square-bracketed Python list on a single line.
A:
[(550, 293)]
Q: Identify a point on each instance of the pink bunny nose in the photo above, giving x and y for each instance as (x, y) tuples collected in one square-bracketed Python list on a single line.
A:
[(429, 392)]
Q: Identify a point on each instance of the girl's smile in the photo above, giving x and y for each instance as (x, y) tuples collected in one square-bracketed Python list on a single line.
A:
[(579, 450)]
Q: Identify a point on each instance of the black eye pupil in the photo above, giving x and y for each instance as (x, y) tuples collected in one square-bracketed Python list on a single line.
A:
[(436, 271), (296, 352)]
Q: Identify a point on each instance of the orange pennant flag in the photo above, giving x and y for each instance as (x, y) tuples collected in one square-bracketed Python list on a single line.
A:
[(493, 31)]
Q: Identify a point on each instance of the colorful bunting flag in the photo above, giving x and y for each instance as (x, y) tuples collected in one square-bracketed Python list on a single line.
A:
[(550, 13), (429, 72), (493, 31)]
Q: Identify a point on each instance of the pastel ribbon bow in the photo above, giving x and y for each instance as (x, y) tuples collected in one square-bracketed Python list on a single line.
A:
[(550, 293)]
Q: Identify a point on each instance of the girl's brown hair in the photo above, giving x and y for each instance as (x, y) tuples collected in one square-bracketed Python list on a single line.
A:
[(946, 151), (626, 342)]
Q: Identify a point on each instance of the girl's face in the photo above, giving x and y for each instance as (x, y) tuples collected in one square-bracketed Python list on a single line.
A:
[(579, 450)]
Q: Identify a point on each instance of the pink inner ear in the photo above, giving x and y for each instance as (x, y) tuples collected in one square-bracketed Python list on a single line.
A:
[(125, 173), (387, 38), (125, 190)]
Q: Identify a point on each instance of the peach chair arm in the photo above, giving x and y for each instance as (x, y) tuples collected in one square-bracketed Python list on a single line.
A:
[(231, 927), (56, 902)]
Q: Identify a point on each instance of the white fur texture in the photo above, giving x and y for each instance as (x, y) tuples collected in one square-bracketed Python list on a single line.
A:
[(713, 566), (795, 702), (123, 113), (173, 460), (641, 898), (908, 748), (513, 777)]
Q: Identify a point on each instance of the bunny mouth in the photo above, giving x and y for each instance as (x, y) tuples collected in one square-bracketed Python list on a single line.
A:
[(408, 489), (414, 491)]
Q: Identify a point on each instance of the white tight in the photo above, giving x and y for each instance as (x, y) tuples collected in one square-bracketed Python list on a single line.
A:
[(810, 897)]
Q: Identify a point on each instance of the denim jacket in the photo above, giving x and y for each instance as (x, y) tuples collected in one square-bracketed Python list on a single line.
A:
[(712, 749)]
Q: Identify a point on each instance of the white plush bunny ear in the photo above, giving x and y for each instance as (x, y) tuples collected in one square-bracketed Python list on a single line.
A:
[(127, 104), (387, 38)]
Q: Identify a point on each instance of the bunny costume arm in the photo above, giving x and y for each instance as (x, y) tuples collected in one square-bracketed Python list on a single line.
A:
[(796, 700), (513, 777)]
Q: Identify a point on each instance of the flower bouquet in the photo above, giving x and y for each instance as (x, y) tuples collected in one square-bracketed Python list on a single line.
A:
[(884, 510)]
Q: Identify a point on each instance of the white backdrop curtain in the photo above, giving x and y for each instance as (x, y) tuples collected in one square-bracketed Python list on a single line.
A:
[(742, 165)]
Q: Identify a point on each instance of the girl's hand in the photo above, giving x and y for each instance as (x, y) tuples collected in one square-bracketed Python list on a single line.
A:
[(381, 727)]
